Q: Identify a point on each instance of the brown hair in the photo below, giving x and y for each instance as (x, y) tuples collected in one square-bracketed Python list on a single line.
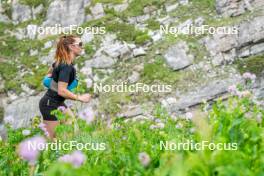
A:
[(63, 51)]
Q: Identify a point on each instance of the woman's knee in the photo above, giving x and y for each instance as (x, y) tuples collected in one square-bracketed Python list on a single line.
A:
[(69, 112), (50, 127)]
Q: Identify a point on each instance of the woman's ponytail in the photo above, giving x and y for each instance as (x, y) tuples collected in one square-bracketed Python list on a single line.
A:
[(63, 51)]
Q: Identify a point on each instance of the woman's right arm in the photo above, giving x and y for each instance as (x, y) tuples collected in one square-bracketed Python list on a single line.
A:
[(64, 77), (64, 92)]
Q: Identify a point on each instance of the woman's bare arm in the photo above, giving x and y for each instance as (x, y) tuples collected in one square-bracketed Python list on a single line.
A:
[(64, 92)]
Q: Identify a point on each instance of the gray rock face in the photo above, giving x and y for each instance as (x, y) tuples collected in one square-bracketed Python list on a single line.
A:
[(184, 2), (134, 77), (130, 111), (48, 44), (3, 131), (49, 58), (33, 52), (87, 37), (31, 31), (248, 41), (4, 18), (236, 7), (139, 52), (138, 19), (177, 56), (259, 89), (116, 50), (171, 7), (97, 11), (119, 7), (37, 10), (100, 62), (66, 12), (20, 12), (206, 92), (156, 35), (22, 110)]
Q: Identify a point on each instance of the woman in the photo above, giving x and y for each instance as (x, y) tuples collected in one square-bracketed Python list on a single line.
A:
[(63, 74)]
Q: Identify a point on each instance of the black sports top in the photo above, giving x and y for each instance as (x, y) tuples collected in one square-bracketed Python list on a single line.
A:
[(62, 72)]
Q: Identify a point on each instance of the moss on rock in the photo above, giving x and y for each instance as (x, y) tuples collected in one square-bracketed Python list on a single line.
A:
[(159, 72), (128, 32), (253, 64)]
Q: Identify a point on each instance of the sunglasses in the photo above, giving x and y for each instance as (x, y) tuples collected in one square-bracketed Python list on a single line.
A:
[(80, 44)]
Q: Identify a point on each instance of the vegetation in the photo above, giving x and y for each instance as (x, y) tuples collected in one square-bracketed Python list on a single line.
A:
[(31, 3), (107, 1), (254, 64), (6, 8), (136, 7), (159, 71), (128, 32), (133, 146), (35, 80), (1, 114), (153, 24), (139, 147)]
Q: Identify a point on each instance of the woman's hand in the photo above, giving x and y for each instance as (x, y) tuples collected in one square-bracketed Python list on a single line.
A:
[(84, 98)]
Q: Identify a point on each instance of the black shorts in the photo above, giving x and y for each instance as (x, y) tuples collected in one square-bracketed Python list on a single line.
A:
[(46, 105)]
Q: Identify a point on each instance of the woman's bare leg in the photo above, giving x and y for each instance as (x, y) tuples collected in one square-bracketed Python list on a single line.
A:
[(50, 127), (69, 112)]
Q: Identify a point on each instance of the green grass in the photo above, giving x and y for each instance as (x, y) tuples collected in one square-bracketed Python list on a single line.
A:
[(1, 114), (35, 80), (253, 64), (99, 22), (107, 1), (14, 47), (159, 72), (17, 53), (8, 70), (152, 24), (32, 3), (13, 85), (111, 102), (227, 123), (136, 7), (127, 32), (29, 62), (89, 49), (7, 8), (13, 80)]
